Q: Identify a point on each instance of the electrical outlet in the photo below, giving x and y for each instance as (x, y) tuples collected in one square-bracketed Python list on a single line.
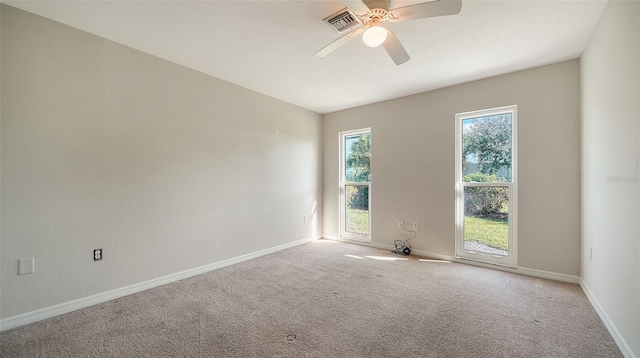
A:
[(415, 226), (591, 254), (306, 218), (400, 224), (97, 254)]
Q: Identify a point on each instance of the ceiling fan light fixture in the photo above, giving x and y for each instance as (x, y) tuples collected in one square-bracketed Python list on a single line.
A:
[(374, 36)]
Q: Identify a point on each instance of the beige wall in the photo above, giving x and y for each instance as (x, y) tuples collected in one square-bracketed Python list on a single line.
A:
[(164, 168), (413, 174), (168, 169), (610, 75)]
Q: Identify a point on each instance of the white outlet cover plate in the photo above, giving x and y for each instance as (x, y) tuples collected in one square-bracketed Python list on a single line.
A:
[(26, 266)]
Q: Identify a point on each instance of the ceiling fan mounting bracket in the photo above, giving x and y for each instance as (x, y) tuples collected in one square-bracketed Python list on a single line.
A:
[(378, 4)]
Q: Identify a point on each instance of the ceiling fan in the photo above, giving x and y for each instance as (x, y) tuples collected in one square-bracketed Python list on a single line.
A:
[(373, 14)]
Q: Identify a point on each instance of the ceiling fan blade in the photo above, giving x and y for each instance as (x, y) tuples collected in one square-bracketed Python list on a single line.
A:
[(339, 42), (427, 9), (395, 49), (356, 6)]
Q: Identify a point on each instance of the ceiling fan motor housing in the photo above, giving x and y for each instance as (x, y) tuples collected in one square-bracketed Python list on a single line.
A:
[(378, 14)]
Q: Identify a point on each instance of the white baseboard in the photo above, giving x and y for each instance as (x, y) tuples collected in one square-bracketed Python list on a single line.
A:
[(521, 270), (48, 312), (525, 271), (617, 337), (549, 275), (389, 247)]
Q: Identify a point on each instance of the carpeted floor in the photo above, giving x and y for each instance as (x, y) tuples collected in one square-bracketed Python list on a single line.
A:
[(330, 299)]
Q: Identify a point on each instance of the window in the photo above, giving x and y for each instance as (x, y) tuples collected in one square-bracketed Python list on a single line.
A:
[(486, 185), (355, 184)]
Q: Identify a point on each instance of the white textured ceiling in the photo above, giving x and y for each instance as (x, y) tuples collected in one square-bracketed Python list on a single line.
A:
[(268, 46)]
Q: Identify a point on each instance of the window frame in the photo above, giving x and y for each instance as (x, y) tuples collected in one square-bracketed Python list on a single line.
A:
[(511, 260), (343, 183)]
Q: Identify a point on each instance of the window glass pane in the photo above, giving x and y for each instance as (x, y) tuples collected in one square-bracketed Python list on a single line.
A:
[(486, 220), (486, 148), (357, 209), (357, 157)]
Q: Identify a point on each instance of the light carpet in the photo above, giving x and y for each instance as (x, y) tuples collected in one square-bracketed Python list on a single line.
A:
[(331, 299)]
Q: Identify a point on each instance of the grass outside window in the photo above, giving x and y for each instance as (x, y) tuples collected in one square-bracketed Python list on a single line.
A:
[(493, 232), (357, 221)]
